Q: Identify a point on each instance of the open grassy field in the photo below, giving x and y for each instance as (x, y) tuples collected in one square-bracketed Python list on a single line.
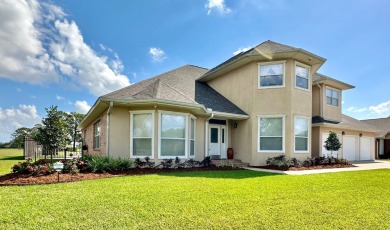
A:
[(204, 200), (9, 157)]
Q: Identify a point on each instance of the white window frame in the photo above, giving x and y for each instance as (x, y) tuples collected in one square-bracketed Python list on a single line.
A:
[(308, 77), (308, 119), (186, 133), (97, 134), (283, 133), (326, 97), (132, 113), (271, 63), (191, 117)]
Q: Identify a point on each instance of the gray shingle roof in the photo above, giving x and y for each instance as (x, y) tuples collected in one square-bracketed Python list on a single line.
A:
[(381, 124), (178, 85)]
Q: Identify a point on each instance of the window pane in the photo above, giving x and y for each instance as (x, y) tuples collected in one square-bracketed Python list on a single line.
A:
[(301, 127), (223, 136), (172, 148), (142, 146), (192, 148), (301, 144), (276, 69), (328, 93), (192, 129), (142, 125), (271, 143), (302, 82), (301, 72), (271, 80), (173, 126), (271, 127), (329, 100), (335, 102), (214, 135), (335, 94)]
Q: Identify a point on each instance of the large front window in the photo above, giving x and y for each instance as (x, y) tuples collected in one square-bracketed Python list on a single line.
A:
[(173, 135), (271, 75), (301, 133), (271, 134), (301, 77), (96, 135), (192, 137), (332, 97), (142, 134)]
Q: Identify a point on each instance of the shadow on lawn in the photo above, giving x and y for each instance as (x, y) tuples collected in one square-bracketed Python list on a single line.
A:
[(222, 174), (12, 158)]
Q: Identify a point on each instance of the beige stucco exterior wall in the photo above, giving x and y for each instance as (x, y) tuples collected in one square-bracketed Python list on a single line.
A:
[(315, 141), (316, 111), (119, 128), (329, 111), (241, 87), (88, 135)]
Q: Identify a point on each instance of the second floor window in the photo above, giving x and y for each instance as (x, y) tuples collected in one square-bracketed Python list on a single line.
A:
[(302, 77), (271, 75), (332, 97)]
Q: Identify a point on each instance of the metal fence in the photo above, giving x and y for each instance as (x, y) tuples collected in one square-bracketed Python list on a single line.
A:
[(35, 151)]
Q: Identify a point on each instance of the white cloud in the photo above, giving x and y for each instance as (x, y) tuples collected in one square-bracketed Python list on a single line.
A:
[(82, 107), (14, 118), (219, 5), (59, 98), (47, 48), (242, 49), (354, 109), (157, 54), (382, 109)]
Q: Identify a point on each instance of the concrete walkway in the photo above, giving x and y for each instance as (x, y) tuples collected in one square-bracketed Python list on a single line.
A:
[(365, 165)]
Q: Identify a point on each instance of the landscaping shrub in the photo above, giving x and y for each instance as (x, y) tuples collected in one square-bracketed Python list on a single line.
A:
[(279, 161), (41, 167), (101, 164)]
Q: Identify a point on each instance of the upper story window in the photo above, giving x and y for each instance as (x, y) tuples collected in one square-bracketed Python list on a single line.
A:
[(301, 77), (271, 75), (96, 135), (332, 97)]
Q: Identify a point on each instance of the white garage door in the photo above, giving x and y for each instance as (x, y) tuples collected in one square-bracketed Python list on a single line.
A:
[(366, 147), (349, 147)]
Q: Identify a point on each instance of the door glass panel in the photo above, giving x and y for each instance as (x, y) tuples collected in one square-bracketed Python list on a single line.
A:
[(223, 136), (214, 135)]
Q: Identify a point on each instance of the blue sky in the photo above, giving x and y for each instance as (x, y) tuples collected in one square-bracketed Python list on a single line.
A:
[(67, 53)]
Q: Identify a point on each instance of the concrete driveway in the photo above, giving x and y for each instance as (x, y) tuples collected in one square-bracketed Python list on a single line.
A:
[(362, 165)]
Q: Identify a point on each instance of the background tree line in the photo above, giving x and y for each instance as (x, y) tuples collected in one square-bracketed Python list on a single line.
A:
[(57, 130)]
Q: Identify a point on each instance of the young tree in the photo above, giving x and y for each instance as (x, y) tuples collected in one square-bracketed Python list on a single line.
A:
[(332, 143), (18, 136), (52, 134), (73, 119)]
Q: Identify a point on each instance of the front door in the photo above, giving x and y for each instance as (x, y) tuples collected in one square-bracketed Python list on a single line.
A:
[(217, 140)]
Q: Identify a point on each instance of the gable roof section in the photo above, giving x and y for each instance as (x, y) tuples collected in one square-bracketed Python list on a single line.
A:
[(346, 122), (178, 85), (266, 51), (381, 124), (323, 79)]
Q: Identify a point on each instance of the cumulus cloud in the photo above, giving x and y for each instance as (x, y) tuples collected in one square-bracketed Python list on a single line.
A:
[(381, 109), (82, 107), (218, 5), (354, 109), (243, 49), (374, 111), (157, 54), (14, 118), (48, 48)]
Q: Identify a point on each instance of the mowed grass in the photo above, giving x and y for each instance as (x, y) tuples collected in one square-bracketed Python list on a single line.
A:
[(9, 157), (204, 200)]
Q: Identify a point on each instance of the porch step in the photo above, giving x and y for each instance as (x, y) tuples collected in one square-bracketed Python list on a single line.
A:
[(229, 162)]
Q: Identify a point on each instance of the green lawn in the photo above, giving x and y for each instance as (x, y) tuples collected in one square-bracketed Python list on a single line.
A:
[(204, 200), (9, 157)]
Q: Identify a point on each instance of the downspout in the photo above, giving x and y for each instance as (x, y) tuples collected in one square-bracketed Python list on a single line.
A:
[(108, 129), (206, 126), (321, 100)]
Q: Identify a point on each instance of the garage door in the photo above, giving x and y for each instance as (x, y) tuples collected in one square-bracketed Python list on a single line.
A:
[(366, 146), (326, 152), (350, 147)]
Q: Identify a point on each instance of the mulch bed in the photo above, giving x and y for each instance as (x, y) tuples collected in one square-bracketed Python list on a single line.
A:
[(325, 166), (20, 179)]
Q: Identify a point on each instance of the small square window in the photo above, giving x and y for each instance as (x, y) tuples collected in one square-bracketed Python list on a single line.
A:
[(271, 75), (301, 77), (332, 97)]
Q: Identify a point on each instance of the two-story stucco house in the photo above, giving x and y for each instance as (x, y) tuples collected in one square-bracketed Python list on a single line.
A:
[(264, 102)]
